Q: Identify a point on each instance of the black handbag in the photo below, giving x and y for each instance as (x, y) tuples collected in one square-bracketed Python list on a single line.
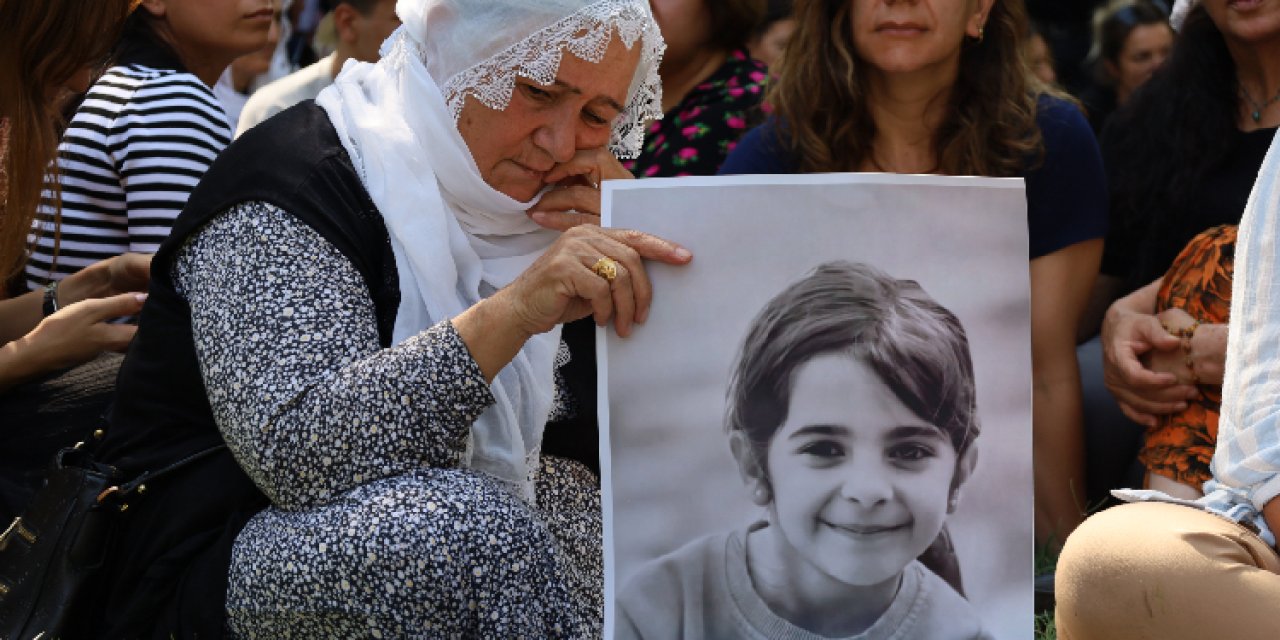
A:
[(49, 553)]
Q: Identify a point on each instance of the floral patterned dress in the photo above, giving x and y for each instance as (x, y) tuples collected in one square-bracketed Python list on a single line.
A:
[(1181, 444), (695, 137)]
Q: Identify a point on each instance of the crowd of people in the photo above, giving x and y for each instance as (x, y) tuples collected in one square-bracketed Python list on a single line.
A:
[(414, 452)]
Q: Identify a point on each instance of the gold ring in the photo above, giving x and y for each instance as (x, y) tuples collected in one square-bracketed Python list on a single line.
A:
[(606, 268)]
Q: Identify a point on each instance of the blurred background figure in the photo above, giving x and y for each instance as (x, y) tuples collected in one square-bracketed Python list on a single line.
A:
[(240, 79), (770, 39), (360, 26), (1131, 39), (711, 87), (1039, 57), (145, 133)]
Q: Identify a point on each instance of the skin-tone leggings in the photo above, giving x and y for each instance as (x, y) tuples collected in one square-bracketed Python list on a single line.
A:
[(1168, 572)]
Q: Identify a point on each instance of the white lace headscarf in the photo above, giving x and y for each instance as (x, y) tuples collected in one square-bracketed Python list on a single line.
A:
[(1179, 14), (455, 238)]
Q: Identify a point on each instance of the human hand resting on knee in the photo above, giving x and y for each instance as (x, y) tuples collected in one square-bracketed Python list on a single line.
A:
[(1130, 331), (80, 329)]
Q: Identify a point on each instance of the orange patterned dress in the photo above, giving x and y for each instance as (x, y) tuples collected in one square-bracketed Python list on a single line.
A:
[(1180, 446)]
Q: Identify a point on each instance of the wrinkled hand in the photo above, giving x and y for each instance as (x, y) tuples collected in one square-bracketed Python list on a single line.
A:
[(79, 332), (1142, 393), (575, 196), (560, 286)]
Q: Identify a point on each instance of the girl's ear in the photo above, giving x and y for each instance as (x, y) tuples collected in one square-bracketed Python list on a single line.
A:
[(752, 470), (964, 469)]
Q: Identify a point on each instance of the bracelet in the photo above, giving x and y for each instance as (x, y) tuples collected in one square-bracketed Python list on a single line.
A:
[(1186, 333), (51, 298)]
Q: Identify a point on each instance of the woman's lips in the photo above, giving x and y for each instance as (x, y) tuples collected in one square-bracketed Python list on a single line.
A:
[(900, 29), (1244, 5), (265, 13)]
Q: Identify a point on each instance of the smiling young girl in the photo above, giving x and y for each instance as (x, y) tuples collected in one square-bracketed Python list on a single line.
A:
[(852, 417)]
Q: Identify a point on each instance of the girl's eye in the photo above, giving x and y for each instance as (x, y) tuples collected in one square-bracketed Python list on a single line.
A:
[(911, 452), (824, 449), (594, 119)]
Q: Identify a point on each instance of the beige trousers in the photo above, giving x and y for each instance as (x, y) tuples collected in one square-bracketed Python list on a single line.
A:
[(1168, 572)]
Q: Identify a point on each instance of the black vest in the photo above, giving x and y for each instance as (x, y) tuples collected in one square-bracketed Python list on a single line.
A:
[(169, 571), (168, 574)]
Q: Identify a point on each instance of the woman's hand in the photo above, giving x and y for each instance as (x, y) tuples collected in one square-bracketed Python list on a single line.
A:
[(1128, 336), (73, 335), (561, 287), (575, 196), (126, 273), (79, 332)]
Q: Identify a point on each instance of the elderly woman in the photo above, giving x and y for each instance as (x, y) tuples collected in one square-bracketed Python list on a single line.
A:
[(940, 86), (358, 302)]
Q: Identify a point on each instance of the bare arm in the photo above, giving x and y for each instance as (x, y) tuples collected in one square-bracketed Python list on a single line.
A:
[(1060, 284)]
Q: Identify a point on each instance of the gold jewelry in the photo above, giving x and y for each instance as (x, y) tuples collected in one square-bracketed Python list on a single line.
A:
[(981, 32), (606, 268)]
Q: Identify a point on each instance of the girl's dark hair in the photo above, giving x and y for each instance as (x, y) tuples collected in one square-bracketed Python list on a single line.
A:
[(916, 346), (140, 34), (1175, 128)]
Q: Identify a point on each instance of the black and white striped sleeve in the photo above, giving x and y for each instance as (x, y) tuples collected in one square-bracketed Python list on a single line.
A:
[(129, 160)]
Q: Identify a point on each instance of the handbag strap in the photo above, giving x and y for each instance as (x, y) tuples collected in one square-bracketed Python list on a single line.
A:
[(138, 483)]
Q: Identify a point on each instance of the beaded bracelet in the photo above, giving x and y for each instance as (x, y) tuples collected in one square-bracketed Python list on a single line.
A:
[(1185, 334)]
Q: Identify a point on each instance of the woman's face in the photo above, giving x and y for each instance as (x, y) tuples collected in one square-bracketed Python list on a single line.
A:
[(203, 29), (860, 484), (544, 126), (905, 36), (1144, 51), (685, 25), (1041, 59), (1245, 21)]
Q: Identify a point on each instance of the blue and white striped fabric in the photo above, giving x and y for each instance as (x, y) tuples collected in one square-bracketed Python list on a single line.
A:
[(131, 155), (1246, 462)]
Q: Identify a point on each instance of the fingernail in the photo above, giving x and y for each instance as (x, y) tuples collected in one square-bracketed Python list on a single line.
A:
[(682, 253), (140, 297), (538, 216), (1182, 406)]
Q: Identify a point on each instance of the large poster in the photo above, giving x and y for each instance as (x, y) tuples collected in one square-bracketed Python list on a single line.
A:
[(824, 426)]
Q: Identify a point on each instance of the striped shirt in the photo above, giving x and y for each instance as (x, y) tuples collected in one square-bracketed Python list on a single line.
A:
[(1246, 461), (129, 159)]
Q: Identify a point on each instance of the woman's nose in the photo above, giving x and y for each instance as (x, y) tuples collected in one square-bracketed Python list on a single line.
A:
[(558, 138)]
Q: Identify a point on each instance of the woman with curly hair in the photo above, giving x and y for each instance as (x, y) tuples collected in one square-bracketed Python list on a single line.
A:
[(942, 86)]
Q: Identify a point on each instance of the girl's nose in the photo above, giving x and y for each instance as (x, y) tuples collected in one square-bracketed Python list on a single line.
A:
[(866, 485)]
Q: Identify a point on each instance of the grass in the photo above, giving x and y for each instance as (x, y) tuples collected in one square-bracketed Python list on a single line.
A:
[(1045, 629), (1046, 558)]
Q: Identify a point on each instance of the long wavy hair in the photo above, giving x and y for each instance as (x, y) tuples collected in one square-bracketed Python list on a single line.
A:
[(820, 95), (1176, 127), (43, 43)]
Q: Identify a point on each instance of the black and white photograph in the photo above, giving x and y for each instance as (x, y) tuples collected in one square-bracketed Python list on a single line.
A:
[(823, 429)]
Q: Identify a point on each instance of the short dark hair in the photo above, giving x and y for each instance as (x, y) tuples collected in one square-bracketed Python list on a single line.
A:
[(733, 22), (917, 347), (1112, 26)]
